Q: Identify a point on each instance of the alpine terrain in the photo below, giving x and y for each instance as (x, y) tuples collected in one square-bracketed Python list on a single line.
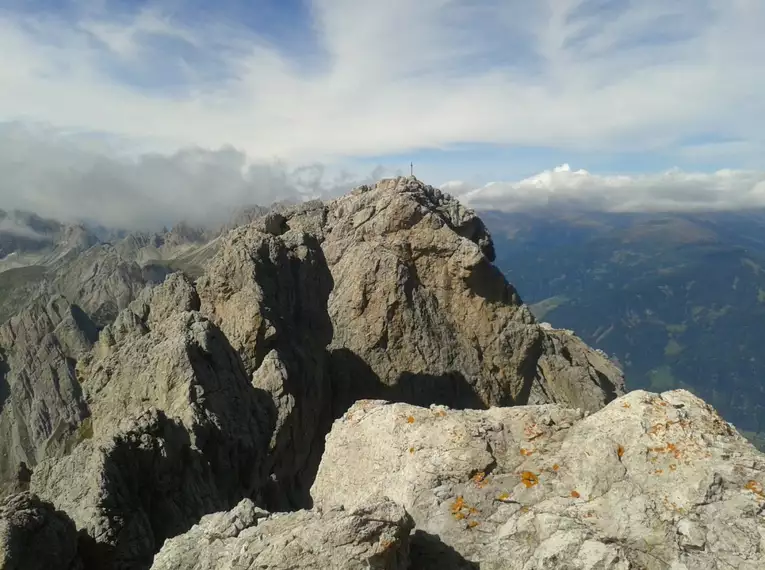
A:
[(350, 384)]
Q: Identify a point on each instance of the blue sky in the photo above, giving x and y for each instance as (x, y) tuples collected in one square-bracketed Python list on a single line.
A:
[(469, 90)]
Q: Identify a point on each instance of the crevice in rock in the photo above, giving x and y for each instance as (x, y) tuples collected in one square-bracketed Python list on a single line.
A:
[(5, 388)]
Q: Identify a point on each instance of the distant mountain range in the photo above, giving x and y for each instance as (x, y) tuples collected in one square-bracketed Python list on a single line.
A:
[(678, 299)]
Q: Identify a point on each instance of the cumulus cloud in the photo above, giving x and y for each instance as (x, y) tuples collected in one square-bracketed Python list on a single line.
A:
[(671, 191), (72, 178), (390, 76)]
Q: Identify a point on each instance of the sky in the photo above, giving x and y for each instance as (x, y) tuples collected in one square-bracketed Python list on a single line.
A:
[(138, 113)]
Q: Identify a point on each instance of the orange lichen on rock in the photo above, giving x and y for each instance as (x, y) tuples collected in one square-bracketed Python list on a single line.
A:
[(659, 471), (532, 431), (755, 488), (529, 479), (673, 467), (653, 430), (410, 420), (555, 467), (460, 510), (575, 494), (526, 452), (620, 451), (480, 479), (472, 524), (668, 448), (626, 405)]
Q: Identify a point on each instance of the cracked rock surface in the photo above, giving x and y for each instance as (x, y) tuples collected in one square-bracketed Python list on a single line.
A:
[(41, 401), (34, 536), (216, 395), (373, 537), (177, 431), (421, 315), (650, 482)]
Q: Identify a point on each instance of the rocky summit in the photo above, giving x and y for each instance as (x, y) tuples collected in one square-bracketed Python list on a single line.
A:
[(345, 385)]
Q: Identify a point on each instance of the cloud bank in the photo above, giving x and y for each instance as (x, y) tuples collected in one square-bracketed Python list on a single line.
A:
[(74, 179), (672, 191), (10, 226), (369, 78)]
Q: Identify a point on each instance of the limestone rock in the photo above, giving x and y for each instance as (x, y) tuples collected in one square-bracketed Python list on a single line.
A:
[(650, 482), (374, 537), (33, 536), (42, 407), (100, 281), (146, 482), (177, 431), (268, 294), (274, 223), (421, 315)]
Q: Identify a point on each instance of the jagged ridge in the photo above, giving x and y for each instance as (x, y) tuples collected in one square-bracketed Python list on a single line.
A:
[(206, 393)]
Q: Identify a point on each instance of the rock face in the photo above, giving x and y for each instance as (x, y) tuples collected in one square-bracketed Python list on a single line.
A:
[(27, 239), (177, 431), (41, 403), (421, 315), (651, 481), (202, 397), (374, 537), (100, 281), (268, 295), (33, 536)]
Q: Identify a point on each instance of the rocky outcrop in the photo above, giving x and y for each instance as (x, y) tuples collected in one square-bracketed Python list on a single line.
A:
[(374, 537), (100, 281), (27, 239), (202, 394), (650, 482), (34, 536), (421, 315), (177, 431), (268, 294), (42, 408)]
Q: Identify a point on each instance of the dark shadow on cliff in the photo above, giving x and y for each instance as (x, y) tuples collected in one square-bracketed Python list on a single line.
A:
[(487, 281), (157, 485), (85, 324), (607, 386), (352, 379), (428, 552), (295, 293), (5, 387), (154, 487)]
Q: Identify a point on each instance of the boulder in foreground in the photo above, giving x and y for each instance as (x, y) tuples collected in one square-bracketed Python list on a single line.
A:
[(374, 537), (651, 482)]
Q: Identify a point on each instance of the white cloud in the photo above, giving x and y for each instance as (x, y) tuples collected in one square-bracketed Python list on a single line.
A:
[(669, 191), (16, 228), (393, 76), (74, 179)]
